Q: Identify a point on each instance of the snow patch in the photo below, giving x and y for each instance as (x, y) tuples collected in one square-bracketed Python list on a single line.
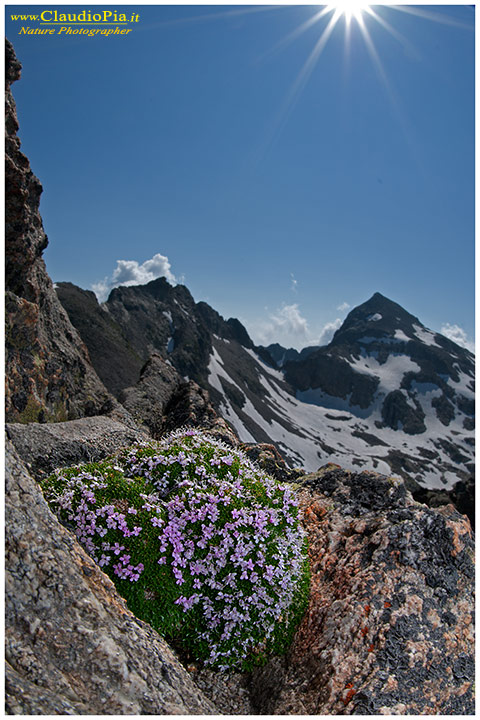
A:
[(426, 336), (313, 428), (390, 373), (168, 315)]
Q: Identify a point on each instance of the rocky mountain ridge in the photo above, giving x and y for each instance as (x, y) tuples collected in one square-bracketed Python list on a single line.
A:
[(385, 394)]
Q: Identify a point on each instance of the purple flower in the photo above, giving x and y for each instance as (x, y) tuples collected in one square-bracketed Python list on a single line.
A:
[(216, 526)]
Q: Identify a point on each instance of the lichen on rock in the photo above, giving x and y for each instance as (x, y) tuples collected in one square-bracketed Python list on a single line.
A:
[(389, 628)]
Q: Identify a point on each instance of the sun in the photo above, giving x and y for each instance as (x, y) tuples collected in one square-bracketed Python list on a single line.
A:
[(349, 9)]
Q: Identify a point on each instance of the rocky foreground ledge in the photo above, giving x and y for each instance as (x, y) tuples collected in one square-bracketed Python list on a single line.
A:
[(389, 627)]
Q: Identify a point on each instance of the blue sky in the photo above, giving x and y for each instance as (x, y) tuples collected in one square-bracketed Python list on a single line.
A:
[(205, 145)]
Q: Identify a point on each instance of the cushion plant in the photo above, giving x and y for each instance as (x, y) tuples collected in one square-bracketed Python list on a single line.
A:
[(202, 544)]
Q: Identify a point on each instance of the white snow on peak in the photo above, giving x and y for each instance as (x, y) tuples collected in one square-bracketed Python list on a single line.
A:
[(464, 386), (374, 318), (400, 335), (170, 344), (216, 371), (426, 336), (183, 309)]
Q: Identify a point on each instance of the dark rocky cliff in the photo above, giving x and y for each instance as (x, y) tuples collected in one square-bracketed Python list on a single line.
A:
[(48, 370), (135, 322)]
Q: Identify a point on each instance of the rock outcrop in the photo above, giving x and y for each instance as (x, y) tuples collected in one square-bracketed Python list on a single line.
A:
[(148, 399), (72, 646), (44, 447), (48, 370), (162, 401), (389, 628)]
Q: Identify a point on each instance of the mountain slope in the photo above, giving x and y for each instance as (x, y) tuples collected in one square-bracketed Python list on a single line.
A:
[(386, 394)]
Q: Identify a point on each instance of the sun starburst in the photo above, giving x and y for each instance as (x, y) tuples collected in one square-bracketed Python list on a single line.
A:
[(348, 9)]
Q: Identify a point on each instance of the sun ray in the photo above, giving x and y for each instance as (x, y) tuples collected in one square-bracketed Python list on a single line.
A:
[(348, 8), (429, 15), (291, 37), (311, 61), (300, 82), (393, 32), (396, 106), (375, 56), (309, 64)]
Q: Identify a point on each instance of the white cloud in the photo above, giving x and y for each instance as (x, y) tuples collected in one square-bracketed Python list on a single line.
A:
[(328, 331), (130, 272), (458, 335), (344, 306), (286, 326), (289, 328), (289, 319), (294, 282)]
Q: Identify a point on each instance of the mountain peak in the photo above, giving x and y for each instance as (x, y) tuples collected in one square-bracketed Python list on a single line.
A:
[(378, 316)]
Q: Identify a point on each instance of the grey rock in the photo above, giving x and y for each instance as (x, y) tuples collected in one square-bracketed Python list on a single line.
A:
[(163, 401), (389, 627), (148, 400), (72, 646), (45, 447)]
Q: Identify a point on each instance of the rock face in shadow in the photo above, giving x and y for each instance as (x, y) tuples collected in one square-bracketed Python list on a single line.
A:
[(148, 399), (72, 647), (49, 374), (389, 628), (115, 359), (162, 401)]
